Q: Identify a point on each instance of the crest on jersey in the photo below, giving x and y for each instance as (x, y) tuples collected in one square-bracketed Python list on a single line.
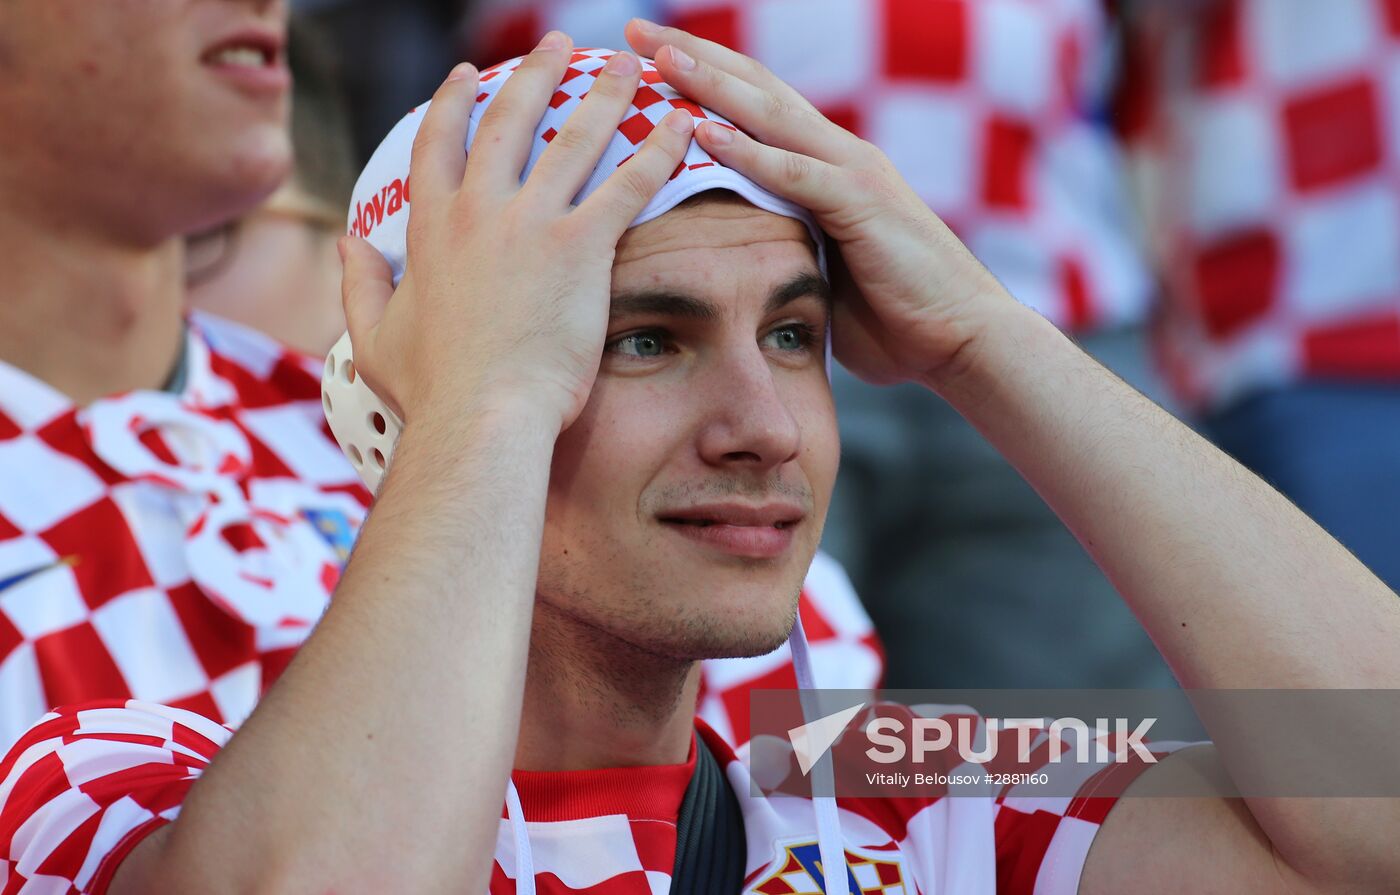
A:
[(799, 872), (335, 528)]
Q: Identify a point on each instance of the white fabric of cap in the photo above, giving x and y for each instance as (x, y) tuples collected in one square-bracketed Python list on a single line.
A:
[(379, 208)]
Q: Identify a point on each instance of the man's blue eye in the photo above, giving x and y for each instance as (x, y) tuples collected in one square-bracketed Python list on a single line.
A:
[(641, 345), (792, 337)]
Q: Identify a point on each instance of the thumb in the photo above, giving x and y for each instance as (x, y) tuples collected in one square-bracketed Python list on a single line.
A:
[(365, 288)]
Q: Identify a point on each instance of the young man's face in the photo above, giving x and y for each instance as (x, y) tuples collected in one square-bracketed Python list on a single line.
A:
[(686, 502), (171, 113)]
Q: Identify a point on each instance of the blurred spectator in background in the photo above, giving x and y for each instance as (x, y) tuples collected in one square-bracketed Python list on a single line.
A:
[(1269, 132), (173, 514), (394, 55), (991, 108), (276, 269)]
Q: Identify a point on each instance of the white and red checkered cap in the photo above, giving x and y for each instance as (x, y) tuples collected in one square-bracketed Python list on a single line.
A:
[(379, 208), (363, 424)]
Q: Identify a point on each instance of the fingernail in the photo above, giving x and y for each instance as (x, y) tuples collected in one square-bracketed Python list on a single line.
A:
[(554, 40), (461, 71), (647, 27), (622, 64), (680, 60), (718, 134), (679, 121)]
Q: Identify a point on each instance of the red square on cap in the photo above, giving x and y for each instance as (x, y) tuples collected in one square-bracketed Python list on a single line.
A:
[(1333, 134), (926, 39), (636, 128), (646, 96)]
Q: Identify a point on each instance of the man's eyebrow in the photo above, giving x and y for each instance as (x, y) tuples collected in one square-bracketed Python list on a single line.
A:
[(669, 303), (800, 286), (661, 303)]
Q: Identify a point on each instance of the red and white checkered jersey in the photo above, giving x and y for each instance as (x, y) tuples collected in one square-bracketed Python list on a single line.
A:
[(987, 107), (178, 548), (85, 786), (1274, 132), (169, 547)]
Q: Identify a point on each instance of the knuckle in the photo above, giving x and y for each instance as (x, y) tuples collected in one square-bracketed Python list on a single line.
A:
[(503, 107), (777, 107), (635, 183), (874, 157), (609, 87), (796, 167), (499, 109), (756, 71), (573, 139), (874, 182)]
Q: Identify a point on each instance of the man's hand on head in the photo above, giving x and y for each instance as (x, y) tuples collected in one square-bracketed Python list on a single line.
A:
[(505, 292), (918, 298)]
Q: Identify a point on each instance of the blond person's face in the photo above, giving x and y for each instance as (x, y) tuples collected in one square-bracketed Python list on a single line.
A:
[(687, 501), (165, 115)]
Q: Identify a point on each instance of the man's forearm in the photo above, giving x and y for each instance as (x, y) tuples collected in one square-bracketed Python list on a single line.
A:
[(379, 760), (1236, 586)]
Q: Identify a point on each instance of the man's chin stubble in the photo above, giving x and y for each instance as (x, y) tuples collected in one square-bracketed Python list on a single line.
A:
[(685, 639)]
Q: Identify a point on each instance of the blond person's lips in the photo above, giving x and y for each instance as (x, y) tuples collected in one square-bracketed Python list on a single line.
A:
[(763, 531), (252, 60)]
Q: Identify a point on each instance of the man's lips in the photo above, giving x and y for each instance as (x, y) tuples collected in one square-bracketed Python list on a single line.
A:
[(756, 531), (252, 59)]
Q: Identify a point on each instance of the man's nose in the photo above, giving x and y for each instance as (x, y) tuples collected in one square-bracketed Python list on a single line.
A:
[(748, 420)]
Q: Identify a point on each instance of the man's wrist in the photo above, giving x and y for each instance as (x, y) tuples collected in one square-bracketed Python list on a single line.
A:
[(999, 337), (484, 404), (499, 420)]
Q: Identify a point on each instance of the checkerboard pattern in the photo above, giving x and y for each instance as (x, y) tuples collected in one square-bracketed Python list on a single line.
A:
[(1271, 129), (170, 548), (85, 786), (987, 107), (380, 205)]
